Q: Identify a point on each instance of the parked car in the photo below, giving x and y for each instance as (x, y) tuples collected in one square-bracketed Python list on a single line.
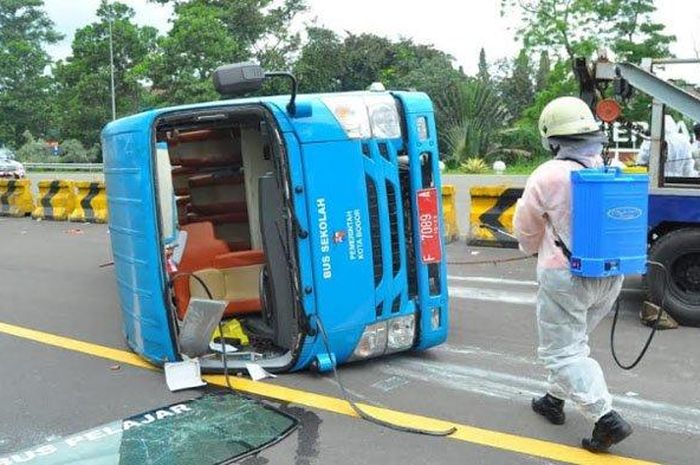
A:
[(9, 168)]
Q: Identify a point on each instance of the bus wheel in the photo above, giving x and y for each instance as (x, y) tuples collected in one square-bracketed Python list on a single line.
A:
[(679, 252)]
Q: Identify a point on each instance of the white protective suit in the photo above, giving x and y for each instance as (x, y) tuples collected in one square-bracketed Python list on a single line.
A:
[(680, 162), (568, 307)]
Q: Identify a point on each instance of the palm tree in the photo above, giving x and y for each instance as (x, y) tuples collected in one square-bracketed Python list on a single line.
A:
[(472, 113)]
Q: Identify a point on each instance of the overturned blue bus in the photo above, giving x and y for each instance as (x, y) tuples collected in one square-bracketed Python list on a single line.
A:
[(292, 212)]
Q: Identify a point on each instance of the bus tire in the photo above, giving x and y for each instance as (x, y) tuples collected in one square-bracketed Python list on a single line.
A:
[(679, 252)]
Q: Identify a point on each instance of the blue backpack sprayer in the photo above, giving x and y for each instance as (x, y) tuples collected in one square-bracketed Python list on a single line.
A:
[(609, 232)]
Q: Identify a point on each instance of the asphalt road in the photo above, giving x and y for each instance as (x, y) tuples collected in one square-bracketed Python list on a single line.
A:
[(483, 377)]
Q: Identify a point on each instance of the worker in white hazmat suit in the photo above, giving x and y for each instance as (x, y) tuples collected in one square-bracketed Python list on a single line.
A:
[(568, 307), (679, 152)]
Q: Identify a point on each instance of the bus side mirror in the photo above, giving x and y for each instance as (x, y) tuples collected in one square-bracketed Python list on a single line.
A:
[(238, 78)]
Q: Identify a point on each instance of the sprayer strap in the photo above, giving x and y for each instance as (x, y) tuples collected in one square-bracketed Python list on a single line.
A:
[(558, 241), (565, 250), (579, 162)]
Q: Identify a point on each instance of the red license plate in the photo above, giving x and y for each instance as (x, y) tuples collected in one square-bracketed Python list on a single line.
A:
[(429, 225)]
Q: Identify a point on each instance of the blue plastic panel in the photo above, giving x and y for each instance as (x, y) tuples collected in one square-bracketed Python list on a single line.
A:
[(417, 106), (128, 151), (609, 222)]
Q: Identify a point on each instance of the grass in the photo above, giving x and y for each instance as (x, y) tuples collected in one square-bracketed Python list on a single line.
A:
[(520, 168), (525, 167)]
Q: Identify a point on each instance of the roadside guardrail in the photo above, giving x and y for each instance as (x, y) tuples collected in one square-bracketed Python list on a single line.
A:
[(491, 215), (15, 197), (96, 167), (56, 200)]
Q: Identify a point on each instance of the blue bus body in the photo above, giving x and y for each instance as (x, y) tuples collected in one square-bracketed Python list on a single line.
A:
[(342, 186)]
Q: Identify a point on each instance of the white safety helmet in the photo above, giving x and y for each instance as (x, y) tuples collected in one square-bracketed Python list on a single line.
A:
[(566, 116)]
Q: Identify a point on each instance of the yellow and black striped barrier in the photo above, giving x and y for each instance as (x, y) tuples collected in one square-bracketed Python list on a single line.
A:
[(449, 212), (491, 215), (15, 197), (91, 202), (56, 200)]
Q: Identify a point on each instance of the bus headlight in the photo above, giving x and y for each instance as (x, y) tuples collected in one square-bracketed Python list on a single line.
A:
[(351, 113), (383, 117), (393, 335), (372, 343), (364, 116), (401, 333)]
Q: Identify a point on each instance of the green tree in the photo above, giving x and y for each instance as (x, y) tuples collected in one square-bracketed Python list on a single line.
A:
[(483, 73), (327, 63), (543, 70), (198, 43), (477, 114), (635, 34), (210, 33), (365, 57), (33, 150), (580, 27), (25, 30), (419, 67), (517, 89), (320, 65), (567, 28), (83, 81), (261, 27)]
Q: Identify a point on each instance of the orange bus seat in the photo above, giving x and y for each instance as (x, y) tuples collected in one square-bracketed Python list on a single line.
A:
[(229, 276), (181, 177), (201, 248), (207, 147), (217, 193), (230, 227)]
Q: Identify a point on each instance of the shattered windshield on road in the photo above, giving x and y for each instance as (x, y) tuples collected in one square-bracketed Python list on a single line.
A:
[(210, 430)]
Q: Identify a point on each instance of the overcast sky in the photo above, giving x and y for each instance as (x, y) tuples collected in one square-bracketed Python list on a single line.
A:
[(460, 32)]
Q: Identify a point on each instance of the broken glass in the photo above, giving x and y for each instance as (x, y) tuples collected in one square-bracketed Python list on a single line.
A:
[(210, 430)]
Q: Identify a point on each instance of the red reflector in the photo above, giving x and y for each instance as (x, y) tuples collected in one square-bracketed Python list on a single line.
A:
[(608, 110), (429, 225)]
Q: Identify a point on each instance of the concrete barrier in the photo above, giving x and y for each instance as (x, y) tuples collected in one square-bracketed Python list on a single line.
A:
[(56, 200), (91, 202), (16, 197), (491, 215), (449, 212)]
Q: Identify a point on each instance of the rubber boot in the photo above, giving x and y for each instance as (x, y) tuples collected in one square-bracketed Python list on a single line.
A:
[(551, 408), (609, 429)]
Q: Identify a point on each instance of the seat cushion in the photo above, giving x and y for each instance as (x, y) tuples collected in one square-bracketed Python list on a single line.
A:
[(238, 286), (201, 248)]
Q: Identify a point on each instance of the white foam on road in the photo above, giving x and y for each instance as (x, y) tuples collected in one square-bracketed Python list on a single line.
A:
[(495, 384), (506, 290), (490, 280), (484, 353), (492, 295)]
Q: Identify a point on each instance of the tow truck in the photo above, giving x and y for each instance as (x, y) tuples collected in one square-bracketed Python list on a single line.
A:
[(674, 202), (313, 223)]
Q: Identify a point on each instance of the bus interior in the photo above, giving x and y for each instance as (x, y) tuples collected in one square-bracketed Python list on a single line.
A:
[(228, 235)]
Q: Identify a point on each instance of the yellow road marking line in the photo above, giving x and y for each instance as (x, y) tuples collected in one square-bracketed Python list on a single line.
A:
[(503, 441)]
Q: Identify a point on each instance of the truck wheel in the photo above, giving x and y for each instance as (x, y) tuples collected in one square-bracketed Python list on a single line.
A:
[(679, 252)]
